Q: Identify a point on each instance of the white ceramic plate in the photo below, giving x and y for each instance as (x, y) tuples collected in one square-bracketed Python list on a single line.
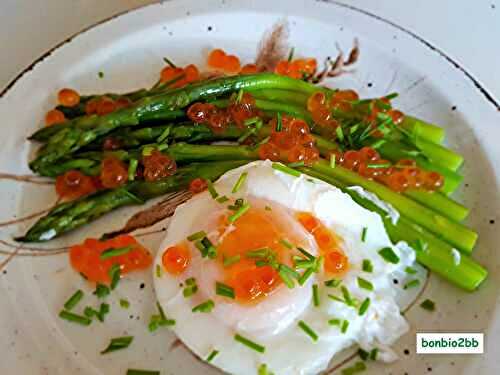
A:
[(129, 50)]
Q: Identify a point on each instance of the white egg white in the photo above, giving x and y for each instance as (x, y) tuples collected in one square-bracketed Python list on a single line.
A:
[(273, 323)]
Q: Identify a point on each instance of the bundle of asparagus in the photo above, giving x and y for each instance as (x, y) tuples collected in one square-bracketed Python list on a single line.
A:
[(157, 120)]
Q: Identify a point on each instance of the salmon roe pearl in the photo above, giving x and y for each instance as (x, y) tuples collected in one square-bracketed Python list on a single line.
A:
[(249, 69), (316, 101), (433, 181), (91, 106), (74, 184), (114, 173), (336, 262), (198, 185), (105, 106), (397, 182), (216, 58), (169, 73), (282, 68), (54, 117), (158, 166), (68, 97), (369, 154), (396, 116), (254, 283), (269, 151), (176, 259), (232, 64), (111, 144)]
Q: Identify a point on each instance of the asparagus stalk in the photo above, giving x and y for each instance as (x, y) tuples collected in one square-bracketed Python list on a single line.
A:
[(423, 130), (68, 216), (438, 255)]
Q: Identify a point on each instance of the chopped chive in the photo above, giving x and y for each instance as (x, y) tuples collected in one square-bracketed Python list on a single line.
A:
[(210, 249), (73, 300), (224, 290), (283, 168), (373, 354), (340, 133), (114, 274), (345, 326), (124, 303), (222, 199), (307, 273), (169, 62), (204, 307), (363, 234), (308, 330), (239, 96), (363, 354), (347, 296), (163, 135), (333, 159), (290, 54), (211, 189), (147, 150), (162, 147), (296, 164), (279, 122), (378, 143), (391, 96), (132, 168), (158, 270), (301, 263), (244, 208), (101, 291), (286, 274), (231, 260), (197, 236), (378, 165), (365, 284), (100, 74), (240, 182), (258, 253), (262, 370), (315, 292), (335, 322), (202, 248), (389, 255), (364, 307), (367, 265), (306, 253), (110, 253), (286, 243), (212, 355), (75, 318), (131, 371), (428, 305), (191, 288), (251, 120), (411, 284), (332, 283), (249, 343), (118, 343), (410, 271), (354, 369)]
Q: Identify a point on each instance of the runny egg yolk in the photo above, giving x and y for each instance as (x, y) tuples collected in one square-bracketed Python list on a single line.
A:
[(255, 230), (336, 262)]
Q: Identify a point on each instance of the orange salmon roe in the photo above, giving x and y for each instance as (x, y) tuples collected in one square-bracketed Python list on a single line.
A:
[(111, 144), (86, 258), (198, 185), (218, 59), (249, 69), (54, 117), (158, 166), (176, 259), (74, 184), (335, 260), (114, 173), (189, 73), (298, 69), (68, 97), (293, 143)]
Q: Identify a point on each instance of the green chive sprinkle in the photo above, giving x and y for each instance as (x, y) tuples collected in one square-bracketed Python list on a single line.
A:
[(334, 322), (210, 249), (365, 284), (307, 273), (347, 296), (333, 159), (363, 354), (279, 122), (101, 291), (410, 271), (251, 121), (169, 62), (118, 343), (239, 213), (428, 305), (239, 96), (285, 169), (197, 236), (306, 253), (231, 260), (411, 284), (345, 326), (286, 274), (100, 74), (73, 300), (204, 307), (258, 253), (191, 288), (224, 290), (296, 164), (290, 58), (222, 199), (332, 283), (315, 292), (364, 307), (163, 135), (392, 95), (124, 303), (110, 253), (132, 168), (240, 182), (75, 318), (340, 133), (114, 274), (212, 355), (147, 150), (211, 189), (158, 270), (249, 343), (378, 143), (286, 243), (378, 165), (389, 255), (142, 372), (363, 234), (355, 369), (308, 330), (367, 265), (373, 354)]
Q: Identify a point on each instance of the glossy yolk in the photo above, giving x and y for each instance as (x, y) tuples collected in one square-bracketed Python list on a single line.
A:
[(176, 259), (74, 184), (336, 263), (256, 229), (86, 258)]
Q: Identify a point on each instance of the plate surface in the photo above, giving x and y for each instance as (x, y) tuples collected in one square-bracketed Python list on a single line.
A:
[(129, 51)]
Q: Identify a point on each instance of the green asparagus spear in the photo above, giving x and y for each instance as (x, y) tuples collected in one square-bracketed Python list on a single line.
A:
[(68, 216)]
